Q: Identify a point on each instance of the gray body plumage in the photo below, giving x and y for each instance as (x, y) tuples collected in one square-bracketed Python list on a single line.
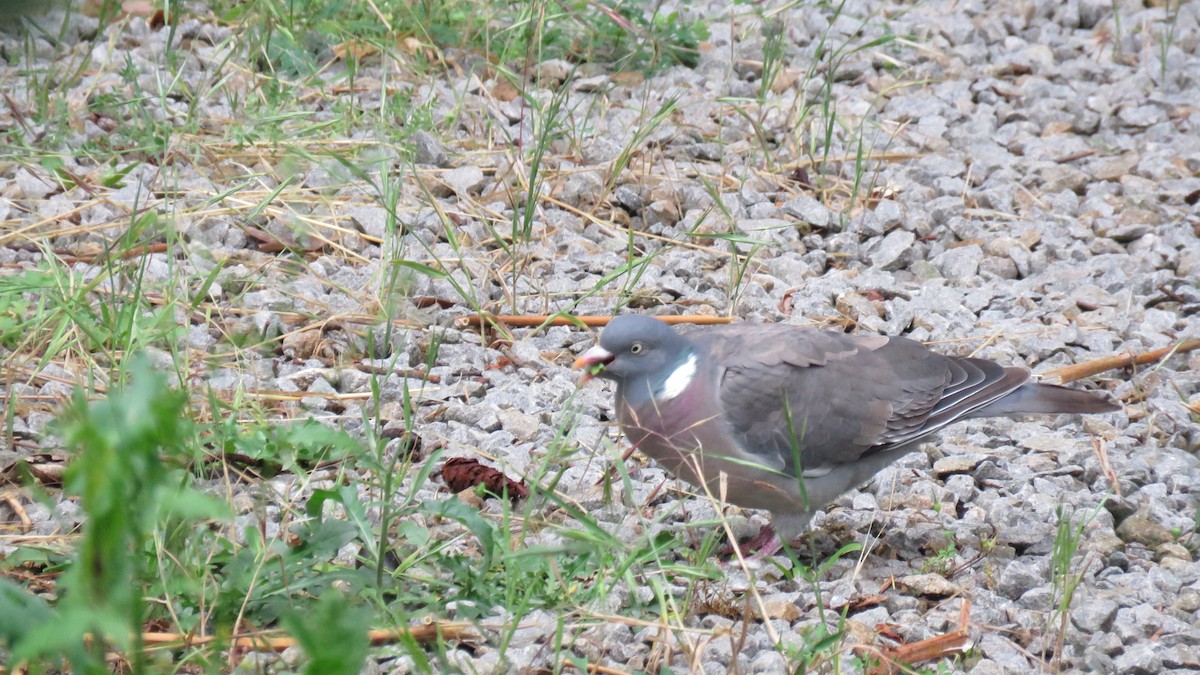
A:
[(786, 418)]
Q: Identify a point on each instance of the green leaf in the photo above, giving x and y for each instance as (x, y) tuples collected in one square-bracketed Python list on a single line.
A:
[(332, 633), (413, 533), (20, 612), (431, 272), (455, 509), (192, 505), (325, 540)]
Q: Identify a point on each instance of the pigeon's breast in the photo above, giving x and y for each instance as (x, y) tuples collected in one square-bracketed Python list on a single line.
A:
[(689, 437), (664, 429)]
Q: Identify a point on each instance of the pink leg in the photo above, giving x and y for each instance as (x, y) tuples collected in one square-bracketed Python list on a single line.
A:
[(764, 545)]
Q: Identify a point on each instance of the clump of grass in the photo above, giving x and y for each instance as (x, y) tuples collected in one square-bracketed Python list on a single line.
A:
[(833, 156), (123, 446), (820, 647), (942, 562), (1065, 577), (57, 312), (1166, 36), (14, 9), (297, 38)]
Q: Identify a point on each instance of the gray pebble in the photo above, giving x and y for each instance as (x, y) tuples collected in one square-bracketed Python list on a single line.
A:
[(961, 263), (890, 253), (429, 149)]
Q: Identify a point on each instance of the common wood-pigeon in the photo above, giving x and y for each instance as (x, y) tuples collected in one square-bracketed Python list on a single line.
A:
[(795, 416)]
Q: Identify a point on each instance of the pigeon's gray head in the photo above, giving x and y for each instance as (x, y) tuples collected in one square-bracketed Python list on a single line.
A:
[(633, 347)]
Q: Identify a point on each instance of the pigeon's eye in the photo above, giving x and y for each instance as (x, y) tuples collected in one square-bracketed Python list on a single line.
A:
[(636, 348)]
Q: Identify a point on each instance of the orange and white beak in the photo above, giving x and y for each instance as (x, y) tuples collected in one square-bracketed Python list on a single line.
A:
[(593, 361)]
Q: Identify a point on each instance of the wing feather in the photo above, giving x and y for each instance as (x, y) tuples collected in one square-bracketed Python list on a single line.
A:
[(828, 399)]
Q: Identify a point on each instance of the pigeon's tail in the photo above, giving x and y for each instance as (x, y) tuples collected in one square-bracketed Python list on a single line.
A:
[(1033, 398)]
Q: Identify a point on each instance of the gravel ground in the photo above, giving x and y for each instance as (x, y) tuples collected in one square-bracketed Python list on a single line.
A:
[(1032, 200)]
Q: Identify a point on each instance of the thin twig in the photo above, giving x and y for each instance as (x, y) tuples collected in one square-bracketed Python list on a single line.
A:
[(1079, 371), (1075, 155), (898, 659), (596, 668), (18, 509), (433, 631), (535, 320), (1105, 467)]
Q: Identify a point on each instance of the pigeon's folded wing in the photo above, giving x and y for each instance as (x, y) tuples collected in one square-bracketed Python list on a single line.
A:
[(828, 399)]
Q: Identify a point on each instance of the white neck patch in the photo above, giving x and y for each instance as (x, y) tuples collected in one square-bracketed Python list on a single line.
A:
[(678, 380)]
